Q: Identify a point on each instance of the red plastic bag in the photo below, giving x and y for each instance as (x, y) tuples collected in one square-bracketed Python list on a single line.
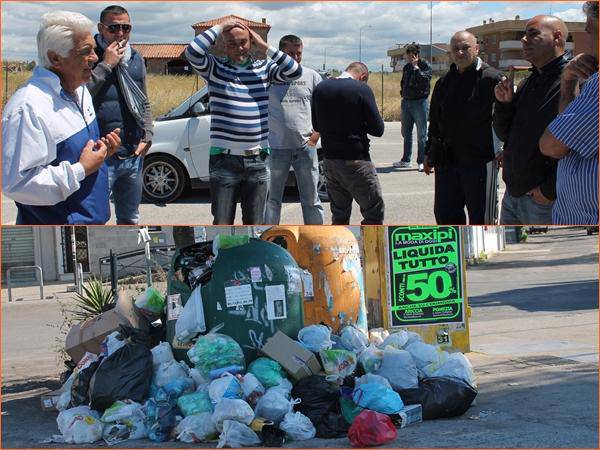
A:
[(371, 428)]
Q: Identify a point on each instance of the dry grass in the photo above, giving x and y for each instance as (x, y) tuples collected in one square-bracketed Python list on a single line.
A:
[(168, 91)]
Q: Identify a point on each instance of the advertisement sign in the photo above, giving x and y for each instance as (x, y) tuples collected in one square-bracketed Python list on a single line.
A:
[(425, 275)]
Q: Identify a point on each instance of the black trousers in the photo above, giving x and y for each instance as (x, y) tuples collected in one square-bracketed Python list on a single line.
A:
[(457, 187), (353, 180)]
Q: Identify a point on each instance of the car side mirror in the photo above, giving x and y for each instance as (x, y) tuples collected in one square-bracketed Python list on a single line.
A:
[(198, 109)]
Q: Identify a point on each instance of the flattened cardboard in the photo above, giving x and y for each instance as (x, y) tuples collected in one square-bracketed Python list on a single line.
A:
[(88, 336), (297, 361)]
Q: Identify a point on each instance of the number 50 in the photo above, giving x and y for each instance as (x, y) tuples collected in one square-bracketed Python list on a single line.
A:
[(420, 286)]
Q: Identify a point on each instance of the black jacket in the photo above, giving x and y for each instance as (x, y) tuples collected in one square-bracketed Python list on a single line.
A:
[(416, 81), (521, 123), (344, 112), (460, 116)]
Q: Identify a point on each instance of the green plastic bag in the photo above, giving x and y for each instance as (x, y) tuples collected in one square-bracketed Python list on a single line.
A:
[(338, 364), (267, 370), (195, 403), (150, 302), (349, 409), (215, 351), (223, 241)]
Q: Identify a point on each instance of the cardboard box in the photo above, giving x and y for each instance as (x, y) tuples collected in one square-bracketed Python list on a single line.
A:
[(88, 336), (410, 414), (297, 361)]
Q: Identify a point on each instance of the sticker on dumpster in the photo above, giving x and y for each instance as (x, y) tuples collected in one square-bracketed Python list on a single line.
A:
[(276, 308), (307, 281), (238, 295), (174, 306), (425, 275), (255, 274)]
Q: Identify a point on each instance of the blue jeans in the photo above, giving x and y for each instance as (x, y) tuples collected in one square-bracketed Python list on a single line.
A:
[(125, 182), (414, 112), (230, 175), (524, 210), (305, 162)]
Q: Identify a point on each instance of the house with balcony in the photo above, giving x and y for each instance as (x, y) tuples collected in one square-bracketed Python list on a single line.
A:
[(437, 56), (500, 42)]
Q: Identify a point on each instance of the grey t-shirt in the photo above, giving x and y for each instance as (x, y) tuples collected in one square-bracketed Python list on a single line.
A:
[(290, 123)]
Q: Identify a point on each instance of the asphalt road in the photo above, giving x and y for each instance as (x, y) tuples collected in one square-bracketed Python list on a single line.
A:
[(534, 339), (408, 194)]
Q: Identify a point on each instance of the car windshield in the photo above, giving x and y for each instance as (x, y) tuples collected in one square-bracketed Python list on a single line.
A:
[(186, 104)]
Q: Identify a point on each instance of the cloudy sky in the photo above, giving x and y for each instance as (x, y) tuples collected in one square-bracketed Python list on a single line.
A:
[(327, 28)]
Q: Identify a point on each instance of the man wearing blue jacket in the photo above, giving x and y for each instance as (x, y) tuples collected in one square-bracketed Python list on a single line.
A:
[(53, 156)]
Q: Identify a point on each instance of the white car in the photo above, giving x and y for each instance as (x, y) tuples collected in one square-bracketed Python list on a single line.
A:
[(180, 150)]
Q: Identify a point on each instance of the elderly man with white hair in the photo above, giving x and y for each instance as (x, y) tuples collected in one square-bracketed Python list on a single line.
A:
[(53, 155)]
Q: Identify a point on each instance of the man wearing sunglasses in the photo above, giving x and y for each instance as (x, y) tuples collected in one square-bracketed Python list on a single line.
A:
[(118, 88)]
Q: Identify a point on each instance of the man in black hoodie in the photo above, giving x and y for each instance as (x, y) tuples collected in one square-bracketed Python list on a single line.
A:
[(520, 120), (344, 112), (460, 139)]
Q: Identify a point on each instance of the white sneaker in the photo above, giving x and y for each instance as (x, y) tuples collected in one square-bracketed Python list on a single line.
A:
[(421, 168), (402, 165)]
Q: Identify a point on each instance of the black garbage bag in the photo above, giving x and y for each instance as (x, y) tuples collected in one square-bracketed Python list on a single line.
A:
[(332, 425), (81, 385), (440, 397), (318, 397), (272, 436), (125, 374)]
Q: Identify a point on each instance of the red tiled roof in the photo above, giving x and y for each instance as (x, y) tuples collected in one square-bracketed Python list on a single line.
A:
[(154, 51), (213, 22)]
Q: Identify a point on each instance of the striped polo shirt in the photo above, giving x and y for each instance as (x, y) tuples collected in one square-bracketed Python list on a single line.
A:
[(577, 174), (239, 94)]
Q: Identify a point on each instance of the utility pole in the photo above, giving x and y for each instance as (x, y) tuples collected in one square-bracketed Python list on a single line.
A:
[(431, 32)]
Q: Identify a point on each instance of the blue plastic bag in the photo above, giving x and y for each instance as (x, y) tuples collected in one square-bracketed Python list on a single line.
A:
[(377, 397)]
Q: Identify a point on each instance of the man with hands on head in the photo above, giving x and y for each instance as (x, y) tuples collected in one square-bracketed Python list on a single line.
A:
[(572, 137), (238, 88), (520, 119), (53, 155), (118, 87)]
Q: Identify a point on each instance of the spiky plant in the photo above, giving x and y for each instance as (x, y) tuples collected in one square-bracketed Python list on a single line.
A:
[(95, 299)]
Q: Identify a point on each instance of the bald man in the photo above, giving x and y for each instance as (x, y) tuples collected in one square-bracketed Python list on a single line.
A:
[(344, 112), (460, 141), (520, 119)]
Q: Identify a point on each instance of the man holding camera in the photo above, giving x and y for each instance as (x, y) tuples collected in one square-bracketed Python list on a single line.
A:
[(460, 140)]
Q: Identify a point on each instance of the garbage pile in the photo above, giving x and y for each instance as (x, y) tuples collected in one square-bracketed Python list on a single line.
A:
[(326, 385)]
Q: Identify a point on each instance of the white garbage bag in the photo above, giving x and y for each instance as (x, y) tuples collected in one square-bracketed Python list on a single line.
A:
[(162, 353), (372, 378), (80, 425), (399, 368), (274, 406), (400, 339), (457, 366), (315, 337), (428, 358), (284, 388), (232, 409), (236, 435), (191, 320), (378, 335), (371, 358), (297, 426), (227, 386), (169, 371), (196, 428), (252, 388), (351, 338)]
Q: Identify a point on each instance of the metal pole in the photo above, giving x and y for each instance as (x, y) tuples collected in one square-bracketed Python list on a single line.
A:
[(6, 82), (114, 282), (324, 57), (360, 44), (148, 264), (431, 32), (74, 257), (382, 90)]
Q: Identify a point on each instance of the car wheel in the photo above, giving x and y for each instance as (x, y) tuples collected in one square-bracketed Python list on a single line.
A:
[(163, 179), (322, 184)]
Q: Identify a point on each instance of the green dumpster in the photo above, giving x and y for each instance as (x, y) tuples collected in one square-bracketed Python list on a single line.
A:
[(254, 290)]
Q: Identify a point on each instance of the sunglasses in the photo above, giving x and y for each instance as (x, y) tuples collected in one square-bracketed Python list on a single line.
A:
[(113, 28)]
